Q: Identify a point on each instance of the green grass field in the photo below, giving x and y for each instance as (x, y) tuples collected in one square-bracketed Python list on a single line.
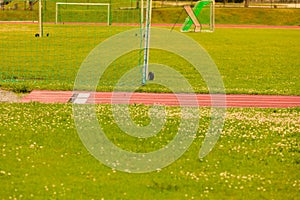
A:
[(251, 61), (256, 157), (42, 157), (170, 15)]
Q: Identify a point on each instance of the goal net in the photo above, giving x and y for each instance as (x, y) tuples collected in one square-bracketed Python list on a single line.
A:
[(41, 54), (82, 12)]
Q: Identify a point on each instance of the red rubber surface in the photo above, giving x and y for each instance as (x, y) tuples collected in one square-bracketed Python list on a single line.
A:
[(242, 101)]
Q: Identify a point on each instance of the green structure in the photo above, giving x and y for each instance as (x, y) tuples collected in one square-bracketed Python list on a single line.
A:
[(194, 17)]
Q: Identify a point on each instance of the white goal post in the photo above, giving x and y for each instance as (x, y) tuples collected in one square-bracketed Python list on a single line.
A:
[(83, 4)]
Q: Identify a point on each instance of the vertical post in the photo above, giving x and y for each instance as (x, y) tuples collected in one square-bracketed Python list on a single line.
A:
[(40, 18), (212, 15), (108, 14), (147, 40), (142, 13), (56, 12), (142, 33)]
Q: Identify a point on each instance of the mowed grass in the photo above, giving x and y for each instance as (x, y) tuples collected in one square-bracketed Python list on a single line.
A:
[(257, 16), (250, 61), (255, 61), (161, 13), (42, 157)]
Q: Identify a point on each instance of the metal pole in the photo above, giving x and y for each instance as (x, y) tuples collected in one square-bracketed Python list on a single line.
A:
[(142, 13), (147, 40), (108, 15), (56, 13), (212, 16), (40, 18)]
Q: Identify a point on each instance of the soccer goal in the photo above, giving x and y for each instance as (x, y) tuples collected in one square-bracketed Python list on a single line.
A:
[(85, 12), (56, 52)]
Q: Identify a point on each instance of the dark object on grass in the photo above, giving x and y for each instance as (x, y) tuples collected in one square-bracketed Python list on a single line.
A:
[(38, 35), (151, 76), (73, 98)]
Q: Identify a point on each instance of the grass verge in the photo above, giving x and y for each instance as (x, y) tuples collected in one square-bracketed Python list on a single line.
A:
[(42, 157)]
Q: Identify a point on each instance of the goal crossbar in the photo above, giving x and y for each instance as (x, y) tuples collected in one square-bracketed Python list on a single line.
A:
[(83, 4)]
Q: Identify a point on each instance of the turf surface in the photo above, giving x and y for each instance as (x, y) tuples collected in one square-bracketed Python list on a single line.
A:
[(251, 61), (42, 157)]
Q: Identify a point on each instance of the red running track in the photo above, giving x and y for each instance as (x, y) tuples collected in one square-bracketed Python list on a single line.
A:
[(242, 101)]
